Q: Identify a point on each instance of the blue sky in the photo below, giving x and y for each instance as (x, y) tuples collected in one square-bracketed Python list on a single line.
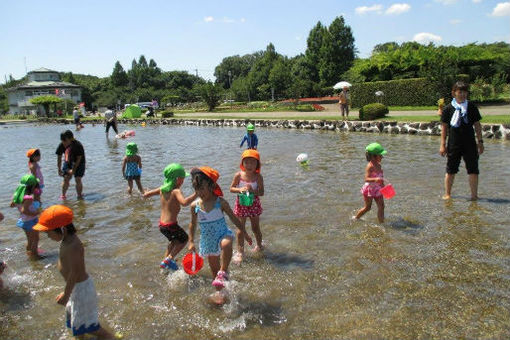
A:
[(88, 37)]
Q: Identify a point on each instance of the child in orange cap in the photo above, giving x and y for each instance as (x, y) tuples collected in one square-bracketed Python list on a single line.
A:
[(79, 295), (34, 157), (249, 185), (216, 238)]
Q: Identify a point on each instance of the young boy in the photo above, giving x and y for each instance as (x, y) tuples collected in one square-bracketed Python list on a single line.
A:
[(171, 201), (79, 295), (250, 138)]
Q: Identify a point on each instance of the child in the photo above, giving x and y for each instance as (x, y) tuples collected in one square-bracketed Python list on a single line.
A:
[(460, 121), (374, 181), (79, 295), (28, 207), (171, 201), (216, 238), (132, 167), (34, 157), (248, 182), (250, 137)]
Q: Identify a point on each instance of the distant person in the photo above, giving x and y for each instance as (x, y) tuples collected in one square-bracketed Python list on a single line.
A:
[(132, 167), (250, 138), (457, 122), (34, 157), (73, 165), (76, 118), (343, 100), (79, 295), (110, 120)]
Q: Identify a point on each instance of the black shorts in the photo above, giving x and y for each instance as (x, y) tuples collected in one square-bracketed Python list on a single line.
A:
[(113, 125), (173, 232), (77, 120), (468, 152), (80, 170)]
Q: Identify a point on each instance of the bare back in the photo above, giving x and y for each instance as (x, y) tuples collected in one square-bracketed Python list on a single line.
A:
[(72, 258), (170, 206)]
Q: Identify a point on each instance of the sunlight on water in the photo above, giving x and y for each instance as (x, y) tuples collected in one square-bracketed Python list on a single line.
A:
[(433, 270)]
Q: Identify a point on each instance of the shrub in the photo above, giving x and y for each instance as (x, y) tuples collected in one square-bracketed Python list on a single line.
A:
[(373, 111), (304, 108), (167, 114)]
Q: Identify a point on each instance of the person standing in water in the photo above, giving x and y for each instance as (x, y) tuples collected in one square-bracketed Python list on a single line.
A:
[(250, 138)]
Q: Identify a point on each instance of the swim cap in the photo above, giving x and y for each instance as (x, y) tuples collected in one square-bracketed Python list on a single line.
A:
[(171, 173), (27, 180), (253, 154), (56, 216), (375, 149), (213, 175), (131, 149), (250, 127)]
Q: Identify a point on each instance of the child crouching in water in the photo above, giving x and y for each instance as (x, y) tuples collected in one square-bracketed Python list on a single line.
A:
[(79, 295), (216, 238), (26, 199), (249, 185), (171, 201), (132, 167), (374, 181)]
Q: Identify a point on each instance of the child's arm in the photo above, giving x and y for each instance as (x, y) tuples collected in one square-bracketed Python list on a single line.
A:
[(260, 186), (444, 133), (255, 141), (32, 168), (242, 142), (227, 210), (182, 200), (151, 193), (139, 162), (235, 183), (192, 226), (124, 166)]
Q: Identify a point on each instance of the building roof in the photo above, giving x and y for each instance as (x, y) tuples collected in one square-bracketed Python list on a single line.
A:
[(43, 85), (42, 70)]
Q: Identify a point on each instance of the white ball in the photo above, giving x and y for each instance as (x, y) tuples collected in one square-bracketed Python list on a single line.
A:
[(302, 157)]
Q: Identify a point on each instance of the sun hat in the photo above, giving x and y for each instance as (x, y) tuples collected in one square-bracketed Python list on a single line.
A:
[(171, 173), (131, 149), (30, 152), (375, 149), (250, 127), (56, 216), (25, 181), (213, 175), (253, 154)]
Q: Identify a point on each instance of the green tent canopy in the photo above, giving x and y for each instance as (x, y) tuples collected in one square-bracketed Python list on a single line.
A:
[(132, 111)]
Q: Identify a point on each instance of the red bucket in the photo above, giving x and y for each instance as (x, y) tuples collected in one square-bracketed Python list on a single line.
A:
[(387, 191), (192, 263)]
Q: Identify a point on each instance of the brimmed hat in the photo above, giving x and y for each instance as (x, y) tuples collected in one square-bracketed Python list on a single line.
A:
[(375, 149), (171, 173), (30, 152), (253, 154), (25, 181), (250, 127), (56, 216), (131, 149), (213, 175)]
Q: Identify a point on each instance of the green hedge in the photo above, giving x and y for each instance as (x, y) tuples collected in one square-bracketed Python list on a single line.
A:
[(402, 92), (373, 111)]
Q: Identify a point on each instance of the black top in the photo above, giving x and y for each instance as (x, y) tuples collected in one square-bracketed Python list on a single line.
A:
[(74, 150), (465, 132)]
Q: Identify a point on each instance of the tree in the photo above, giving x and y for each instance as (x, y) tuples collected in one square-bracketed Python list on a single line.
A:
[(313, 55), (119, 76), (46, 101), (211, 94)]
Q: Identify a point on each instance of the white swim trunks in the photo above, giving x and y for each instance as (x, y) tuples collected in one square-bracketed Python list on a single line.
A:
[(81, 309)]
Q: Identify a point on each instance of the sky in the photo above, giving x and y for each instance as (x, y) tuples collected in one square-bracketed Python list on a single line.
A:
[(88, 37)]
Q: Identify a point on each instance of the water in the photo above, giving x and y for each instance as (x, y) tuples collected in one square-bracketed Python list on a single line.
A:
[(434, 270)]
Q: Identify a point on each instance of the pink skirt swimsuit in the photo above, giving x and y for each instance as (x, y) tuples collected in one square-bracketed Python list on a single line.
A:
[(372, 189), (244, 211)]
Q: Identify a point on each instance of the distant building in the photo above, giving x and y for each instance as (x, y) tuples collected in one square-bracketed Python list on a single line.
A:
[(41, 82)]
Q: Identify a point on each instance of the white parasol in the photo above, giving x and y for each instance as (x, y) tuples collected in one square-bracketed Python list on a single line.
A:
[(341, 85)]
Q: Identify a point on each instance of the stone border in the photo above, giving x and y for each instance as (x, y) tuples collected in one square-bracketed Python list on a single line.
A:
[(493, 131)]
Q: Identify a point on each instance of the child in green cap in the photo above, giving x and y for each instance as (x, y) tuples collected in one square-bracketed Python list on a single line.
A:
[(172, 199), (132, 167), (374, 181), (250, 137)]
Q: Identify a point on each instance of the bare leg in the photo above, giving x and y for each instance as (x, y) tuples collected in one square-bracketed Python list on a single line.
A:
[(130, 186), (473, 185), (448, 183), (380, 208), (139, 185), (79, 187), (366, 208), (240, 240), (33, 242), (65, 184), (226, 253), (214, 264), (174, 248), (255, 226)]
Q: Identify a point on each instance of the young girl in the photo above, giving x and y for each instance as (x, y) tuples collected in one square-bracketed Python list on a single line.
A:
[(374, 181), (34, 157), (216, 238), (29, 209), (249, 185), (132, 167)]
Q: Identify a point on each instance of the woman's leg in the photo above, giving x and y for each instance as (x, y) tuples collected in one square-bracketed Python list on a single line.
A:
[(367, 207)]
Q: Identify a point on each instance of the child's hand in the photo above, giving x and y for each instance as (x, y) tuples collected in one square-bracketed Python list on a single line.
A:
[(248, 238), (191, 247), (380, 181), (62, 299)]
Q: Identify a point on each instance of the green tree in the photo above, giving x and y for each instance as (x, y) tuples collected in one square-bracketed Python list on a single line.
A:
[(313, 52), (211, 94), (280, 78), (46, 101), (119, 76)]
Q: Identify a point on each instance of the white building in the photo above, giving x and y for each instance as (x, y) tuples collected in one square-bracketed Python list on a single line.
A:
[(41, 82)]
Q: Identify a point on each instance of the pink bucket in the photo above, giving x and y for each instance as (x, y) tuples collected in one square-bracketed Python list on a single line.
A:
[(387, 191)]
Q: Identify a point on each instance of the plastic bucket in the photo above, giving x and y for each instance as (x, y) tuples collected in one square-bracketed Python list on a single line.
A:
[(387, 191), (246, 199), (192, 263)]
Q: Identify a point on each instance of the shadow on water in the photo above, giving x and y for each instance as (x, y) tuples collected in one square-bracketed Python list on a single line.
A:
[(259, 313), (287, 261), (403, 223), (12, 299), (93, 197)]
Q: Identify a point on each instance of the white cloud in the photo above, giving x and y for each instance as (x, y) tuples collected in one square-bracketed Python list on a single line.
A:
[(455, 21), (425, 38), (228, 20), (209, 19), (398, 9), (243, 20), (501, 10), (477, 1), (365, 9), (447, 2)]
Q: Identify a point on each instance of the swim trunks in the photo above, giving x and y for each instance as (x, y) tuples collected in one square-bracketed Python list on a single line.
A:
[(81, 309), (173, 231)]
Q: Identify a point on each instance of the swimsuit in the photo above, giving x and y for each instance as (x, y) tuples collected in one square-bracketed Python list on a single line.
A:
[(132, 170), (26, 222), (372, 189), (248, 211), (38, 174), (81, 309), (173, 231), (213, 229)]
